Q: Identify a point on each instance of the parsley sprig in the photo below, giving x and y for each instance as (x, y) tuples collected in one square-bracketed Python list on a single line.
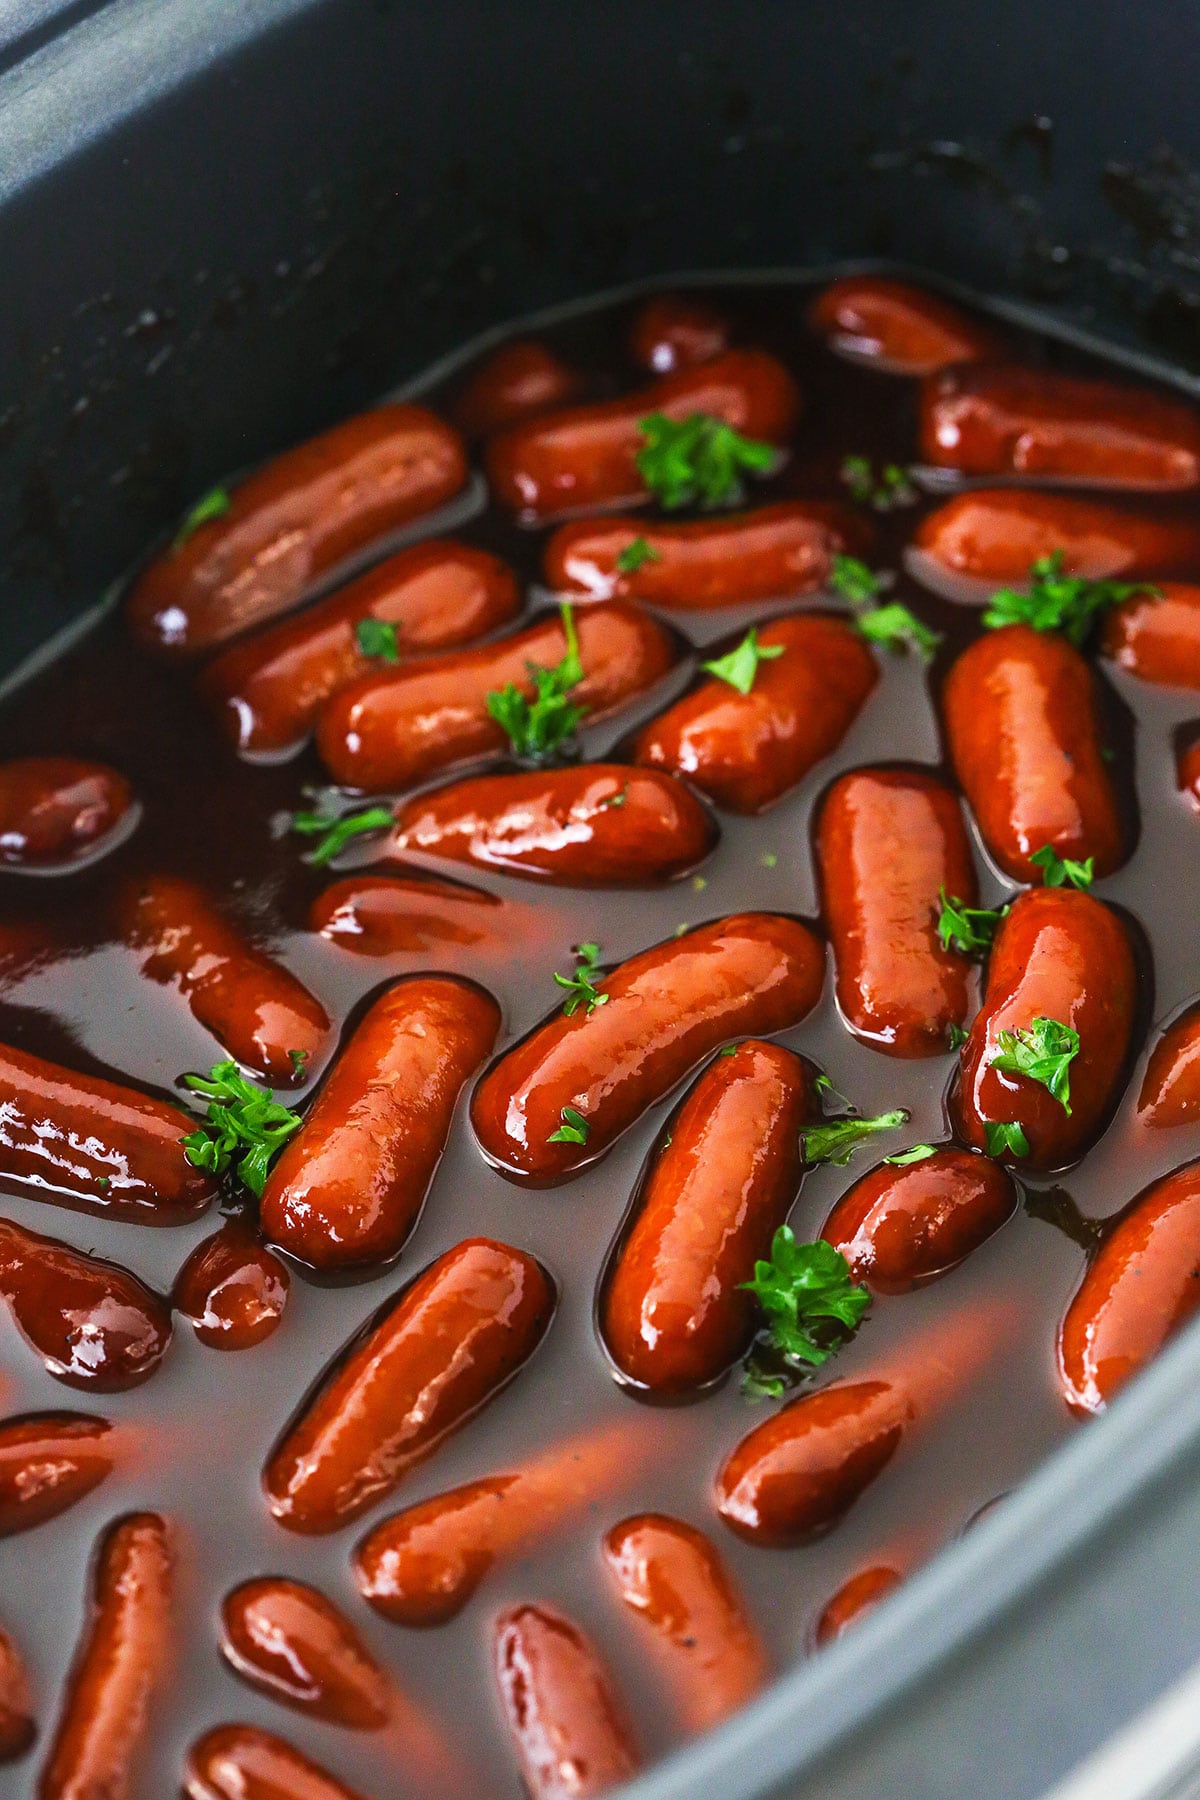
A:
[(1042, 1051), (740, 666), (244, 1123), (838, 1139), (854, 579), (547, 723), (573, 1130), (891, 624), (581, 987), (213, 505), (1057, 870), (1004, 1135), (884, 492), (967, 928), (1057, 601), (334, 831), (698, 461), (636, 554), (802, 1288), (918, 1153), (377, 637)]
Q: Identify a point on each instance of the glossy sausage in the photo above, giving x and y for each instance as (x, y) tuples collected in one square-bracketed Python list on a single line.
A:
[(392, 731), (347, 1188), (667, 1009), (1058, 955), (1024, 734), (1156, 636), (292, 1643), (387, 915), (568, 1727), (898, 327), (48, 1462), (673, 1314), (696, 1626), (899, 1227), (266, 692), (592, 825), (422, 1367), (422, 1565), (887, 842), (241, 1762), (87, 1142), (122, 1662), (1142, 1285), (997, 534), (93, 1324), (676, 331), (855, 1598), (290, 523), (987, 418), (58, 810), (257, 1011), (18, 1728), (1170, 1092), (232, 1289), (701, 564), (745, 751), (1187, 773), (517, 381), (586, 456)]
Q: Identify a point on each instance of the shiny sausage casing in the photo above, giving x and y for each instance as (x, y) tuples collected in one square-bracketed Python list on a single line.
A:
[(673, 1314), (1170, 1092), (232, 1289), (18, 1728), (1156, 635), (1141, 1286), (856, 1597), (670, 1576), (676, 331), (901, 1226), (94, 1324), (586, 456), (86, 1142), (254, 1007), (290, 523), (887, 842), (568, 1726), (382, 915), (699, 564), (745, 751), (667, 1009), (425, 1363), (48, 1462), (517, 381), (997, 534), (242, 1762), (1057, 955), (286, 1639), (391, 731), (266, 691), (592, 825), (348, 1187), (904, 329), (55, 810), (999, 419), (1024, 734)]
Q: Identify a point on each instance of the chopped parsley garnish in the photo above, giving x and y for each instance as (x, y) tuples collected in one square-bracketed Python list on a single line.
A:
[(917, 1154), (616, 799), (334, 833), (244, 1125), (1003, 1135), (729, 1050), (741, 665), (967, 928), (573, 1130), (854, 579), (698, 461), (1059, 602), (537, 728), (896, 627), (298, 1058), (891, 488), (803, 1284), (636, 555), (581, 988), (1056, 870), (958, 1037), (213, 505), (1043, 1051), (836, 1141), (375, 637)]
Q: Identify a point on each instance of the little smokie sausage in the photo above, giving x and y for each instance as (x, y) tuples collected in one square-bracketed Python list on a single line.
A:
[(1155, 634), (586, 456), (594, 825), (666, 1010), (903, 329), (93, 1324), (745, 751), (987, 418), (48, 1462), (676, 331), (888, 841), (348, 1187), (1024, 734), (240, 1762), (568, 1726), (123, 1660), (422, 1565), (384, 915), (421, 1368), (997, 534), (17, 1726), (700, 564), (89, 1143), (58, 809), (899, 1227), (1170, 1093), (257, 1011), (673, 1579), (515, 382), (673, 1311), (267, 691), (1064, 956), (292, 1643), (261, 546), (855, 1598), (391, 731), (1142, 1285), (232, 1289)]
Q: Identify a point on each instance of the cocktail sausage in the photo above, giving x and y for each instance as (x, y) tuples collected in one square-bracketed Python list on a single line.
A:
[(676, 331), (93, 1324), (59, 810), (568, 1726), (48, 1462), (1156, 635), (899, 1227), (997, 534), (898, 327)]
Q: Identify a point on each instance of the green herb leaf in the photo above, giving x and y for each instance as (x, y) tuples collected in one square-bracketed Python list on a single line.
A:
[(636, 555), (1059, 869), (335, 833), (1004, 1135), (837, 1140), (741, 665), (581, 989), (698, 460), (729, 1050), (573, 1130), (1059, 602), (298, 1058), (213, 505), (760, 1384), (244, 1125), (1044, 1052), (896, 627), (375, 637), (803, 1283), (537, 728), (855, 580), (917, 1154), (958, 1037), (966, 928), (616, 799), (768, 859), (891, 488)]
